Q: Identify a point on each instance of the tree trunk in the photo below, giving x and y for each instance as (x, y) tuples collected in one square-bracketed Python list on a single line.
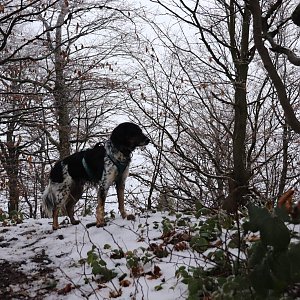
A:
[(61, 93), (284, 170), (289, 112), (13, 184), (238, 186), (10, 160)]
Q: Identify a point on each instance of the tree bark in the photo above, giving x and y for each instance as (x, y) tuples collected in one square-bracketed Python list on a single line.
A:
[(10, 160), (238, 186), (61, 93), (270, 68)]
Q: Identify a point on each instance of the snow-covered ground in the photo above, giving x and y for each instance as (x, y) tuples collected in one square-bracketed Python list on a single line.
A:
[(127, 259), (136, 251)]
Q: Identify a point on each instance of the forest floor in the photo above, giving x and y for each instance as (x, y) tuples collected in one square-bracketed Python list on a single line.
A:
[(15, 282), (124, 260)]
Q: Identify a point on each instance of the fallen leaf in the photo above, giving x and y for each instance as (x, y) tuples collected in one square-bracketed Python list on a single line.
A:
[(115, 294), (67, 289), (181, 246), (287, 200), (125, 283)]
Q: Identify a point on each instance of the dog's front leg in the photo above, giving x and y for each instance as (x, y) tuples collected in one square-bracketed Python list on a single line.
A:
[(120, 186), (55, 224), (100, 222)]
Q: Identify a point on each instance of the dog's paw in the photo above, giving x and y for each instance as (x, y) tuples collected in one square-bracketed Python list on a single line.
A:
[(130, 217), (90, 224), (102, 224), (75, 222)]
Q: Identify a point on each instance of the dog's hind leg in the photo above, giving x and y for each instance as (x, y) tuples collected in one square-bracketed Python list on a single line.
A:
[(51, 203), (70, 210), (75, 194)]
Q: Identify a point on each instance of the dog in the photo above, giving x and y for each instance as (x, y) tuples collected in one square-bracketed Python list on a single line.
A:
[(102, 165)]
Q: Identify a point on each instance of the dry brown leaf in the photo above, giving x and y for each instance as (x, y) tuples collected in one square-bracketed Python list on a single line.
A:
[(181, 246), (287, 200), (67, 289), (115, 294), (253, 238), (156, 273), (125, 283)]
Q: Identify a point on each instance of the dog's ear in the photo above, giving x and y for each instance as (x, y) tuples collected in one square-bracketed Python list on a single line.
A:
[(97, 151), (296, 15), (117, 139), (120, 134), (127, 136)]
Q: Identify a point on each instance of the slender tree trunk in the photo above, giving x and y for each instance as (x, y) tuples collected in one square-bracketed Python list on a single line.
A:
[(13, 183), (289, 112), (285, 147), (61, 93), (238, 186), (10, 160), (64, 129)]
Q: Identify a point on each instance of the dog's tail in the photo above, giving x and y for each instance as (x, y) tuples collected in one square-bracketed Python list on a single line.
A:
[(48, 200)]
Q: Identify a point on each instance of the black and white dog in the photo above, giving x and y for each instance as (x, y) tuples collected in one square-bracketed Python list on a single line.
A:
[(103, 165)]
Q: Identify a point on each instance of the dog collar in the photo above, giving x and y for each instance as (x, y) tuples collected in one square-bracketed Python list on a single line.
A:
[(120, 164)]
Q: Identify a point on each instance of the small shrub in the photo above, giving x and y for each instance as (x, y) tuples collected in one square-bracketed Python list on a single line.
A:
[(14, 217), (269, 269), (99, 266), (273, 258)]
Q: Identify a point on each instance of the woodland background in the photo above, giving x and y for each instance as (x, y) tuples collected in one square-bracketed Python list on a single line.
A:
[(215, 85), (217, 93)]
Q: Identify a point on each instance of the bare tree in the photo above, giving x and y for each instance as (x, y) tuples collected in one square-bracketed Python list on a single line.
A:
[(68, 48), (262, 30), (215, 110)]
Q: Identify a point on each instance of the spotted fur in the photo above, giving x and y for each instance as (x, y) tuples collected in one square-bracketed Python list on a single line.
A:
[(103, 165)]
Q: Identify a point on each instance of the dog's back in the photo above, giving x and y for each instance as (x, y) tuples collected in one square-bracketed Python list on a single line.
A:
[(74, 170)]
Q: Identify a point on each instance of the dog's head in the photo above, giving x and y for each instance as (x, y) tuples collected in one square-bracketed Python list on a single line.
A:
[(127, 136)]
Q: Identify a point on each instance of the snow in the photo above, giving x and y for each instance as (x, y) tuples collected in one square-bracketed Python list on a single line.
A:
[(141, 252), (65, 251)]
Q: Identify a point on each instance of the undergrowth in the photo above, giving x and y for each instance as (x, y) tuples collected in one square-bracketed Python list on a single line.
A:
[(255, 257), (12, 218), (261, 266)]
